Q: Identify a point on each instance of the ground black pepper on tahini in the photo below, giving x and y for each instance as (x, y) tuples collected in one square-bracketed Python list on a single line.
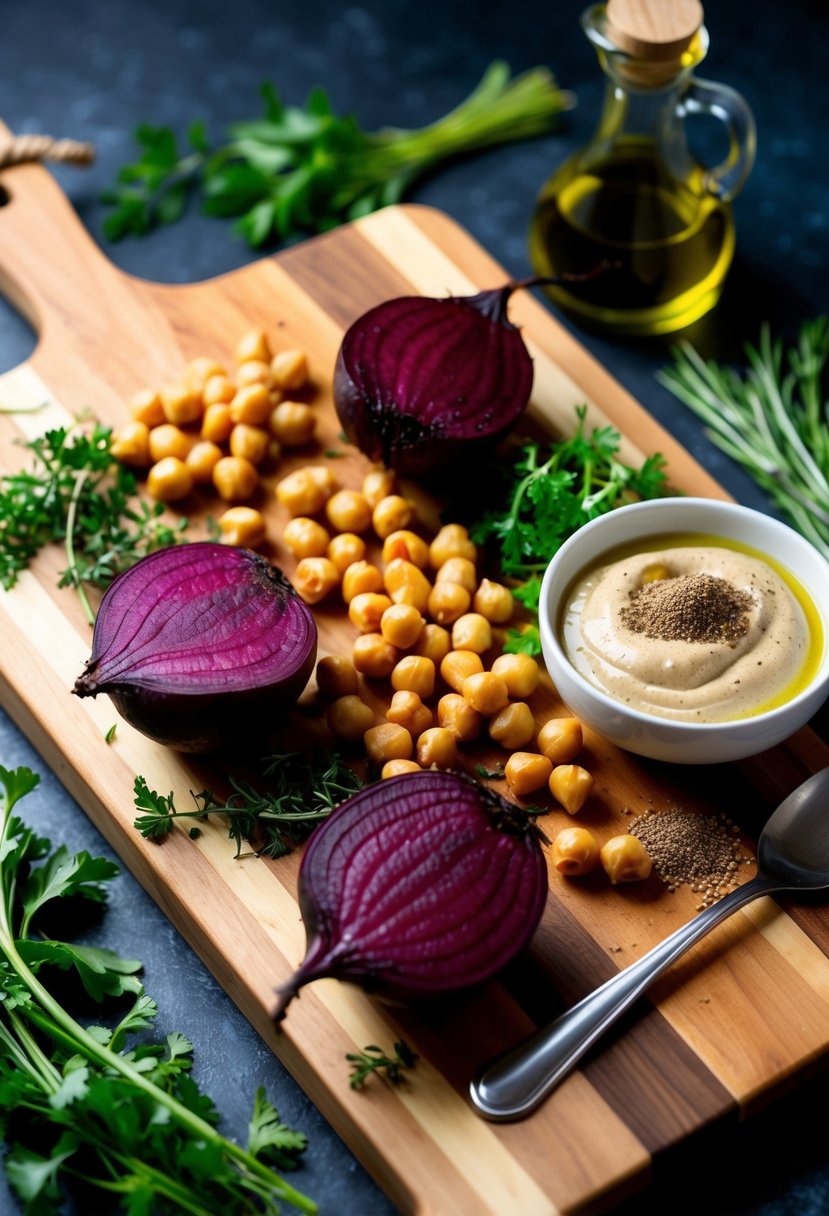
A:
[(689, 608), (686, 847)]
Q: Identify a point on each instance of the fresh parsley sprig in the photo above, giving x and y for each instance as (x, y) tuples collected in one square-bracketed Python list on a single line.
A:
[(299, 170), (548, 491), (373, 1059), (78, 495), (770, 417), (84, 1104), (302, 788)]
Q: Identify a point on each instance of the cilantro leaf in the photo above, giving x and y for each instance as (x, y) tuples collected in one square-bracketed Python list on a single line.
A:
[(272, 1140)]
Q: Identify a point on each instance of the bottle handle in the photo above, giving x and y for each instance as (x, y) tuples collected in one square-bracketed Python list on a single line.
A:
[(725, 180)]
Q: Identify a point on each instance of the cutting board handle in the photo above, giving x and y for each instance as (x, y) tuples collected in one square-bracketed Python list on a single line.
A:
[(51, 270)]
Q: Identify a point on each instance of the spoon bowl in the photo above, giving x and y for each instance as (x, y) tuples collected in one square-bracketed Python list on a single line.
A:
[(792, 855)]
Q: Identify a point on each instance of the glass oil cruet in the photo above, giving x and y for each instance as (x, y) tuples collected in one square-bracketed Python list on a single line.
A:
[(635, 198)]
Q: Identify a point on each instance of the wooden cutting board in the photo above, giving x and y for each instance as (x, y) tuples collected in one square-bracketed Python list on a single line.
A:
[(740, 1017)]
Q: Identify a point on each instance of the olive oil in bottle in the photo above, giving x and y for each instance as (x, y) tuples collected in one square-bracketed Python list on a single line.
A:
[(635, 200)]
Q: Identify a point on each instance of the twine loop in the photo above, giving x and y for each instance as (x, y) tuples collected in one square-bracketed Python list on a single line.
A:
[(34, 148)]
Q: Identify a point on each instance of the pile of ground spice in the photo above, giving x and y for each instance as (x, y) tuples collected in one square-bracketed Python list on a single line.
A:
[(686, 847), (689, 608)]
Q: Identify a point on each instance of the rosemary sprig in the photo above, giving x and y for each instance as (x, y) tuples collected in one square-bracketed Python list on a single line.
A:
[(77, 494), (770, 417), (373, 1059), (303, 789)]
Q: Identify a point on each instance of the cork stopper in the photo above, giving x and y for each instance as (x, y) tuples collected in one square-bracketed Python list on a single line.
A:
[(655, 34)]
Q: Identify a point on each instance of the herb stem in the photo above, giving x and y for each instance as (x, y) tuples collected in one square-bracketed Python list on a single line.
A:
[(71, 516)]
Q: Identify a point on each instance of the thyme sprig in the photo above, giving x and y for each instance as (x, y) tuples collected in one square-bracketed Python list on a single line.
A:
[(373, 1059), (76, 493), (770, 417), (302, 788)]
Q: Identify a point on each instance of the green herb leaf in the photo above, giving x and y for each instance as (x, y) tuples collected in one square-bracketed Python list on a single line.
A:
[(272, 1140), (373, 1060), (544, 494), (299, 170)]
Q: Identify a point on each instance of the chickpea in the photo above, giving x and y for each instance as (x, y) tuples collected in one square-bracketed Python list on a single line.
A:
[(345, 549), (235, 478), (408, 545), (414, 673), (570, 785), (146, 407), (242, 526), (575, 852), (359, 577), (348, 511), (304, 537), (169, 440), (406, 584), (472, 632), (625, 859), (392, 514), (253, 345), (388, 741), (300, 493), (169, 480), (560, 739), (365, 611), (437, 747), (407, 709), (131, 445), (485, 692), (251, 404), (325, 478), (218, 390), (494, 601), (198, 372), (336, 676), (452, 540), (217, 423), (401, 625), (249, 441), (289, 369), (458, 570), (457, 665), (526, 772), (394, 768), (181, 404), (315, 578), (373, 656), (349, 718), (447, 602), (293, 423), (434, 642), (456, 715), (520, 673), (253, 371), (513, 726), (378, 484), (202, 459)]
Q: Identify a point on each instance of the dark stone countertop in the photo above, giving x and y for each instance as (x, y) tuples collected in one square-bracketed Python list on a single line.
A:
[(93, 71)]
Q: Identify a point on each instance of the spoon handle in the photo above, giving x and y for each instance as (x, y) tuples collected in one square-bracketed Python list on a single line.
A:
[(514, 1083)]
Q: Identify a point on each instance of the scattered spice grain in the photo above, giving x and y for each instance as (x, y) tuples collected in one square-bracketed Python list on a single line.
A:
[(689, 608), (694, 849)]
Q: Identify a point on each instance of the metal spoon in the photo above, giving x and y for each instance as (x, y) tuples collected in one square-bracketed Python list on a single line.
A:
[(792, 855)]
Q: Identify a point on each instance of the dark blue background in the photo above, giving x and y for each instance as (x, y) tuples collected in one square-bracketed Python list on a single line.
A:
[(93, 70)]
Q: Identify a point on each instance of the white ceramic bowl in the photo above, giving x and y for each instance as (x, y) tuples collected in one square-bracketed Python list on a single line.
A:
[(664, 738)]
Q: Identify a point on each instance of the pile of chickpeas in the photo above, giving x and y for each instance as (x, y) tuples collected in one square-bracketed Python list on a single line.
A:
[(218, 427), (423, 618)]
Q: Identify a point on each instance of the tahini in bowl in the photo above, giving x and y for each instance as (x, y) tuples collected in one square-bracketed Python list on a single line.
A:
[(669, 739)]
